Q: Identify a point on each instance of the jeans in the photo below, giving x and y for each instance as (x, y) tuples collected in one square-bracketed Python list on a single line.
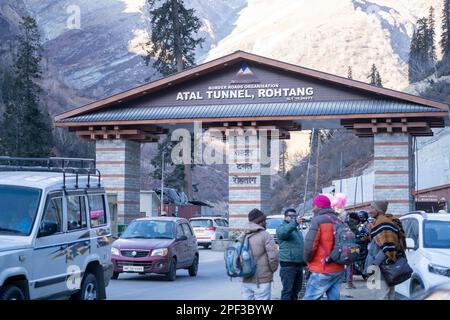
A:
[(291, 278), (252, 291), (349, 273), (321, 283)]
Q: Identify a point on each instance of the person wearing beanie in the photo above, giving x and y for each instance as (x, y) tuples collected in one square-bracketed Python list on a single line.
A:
[(326, 276), (290, 239), (388, 242), (265, 254)]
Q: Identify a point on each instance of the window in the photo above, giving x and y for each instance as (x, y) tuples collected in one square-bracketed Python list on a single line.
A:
[(53, 214), (196, 223), (19, 207), (149, 229), (187, 230), (180, 232), (436, 234), (76, 213), (225, 223), (97, 212), (219, 222), (411, 227)]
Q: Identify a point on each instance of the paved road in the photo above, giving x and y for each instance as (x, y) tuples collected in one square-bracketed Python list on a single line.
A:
[(211, 283)]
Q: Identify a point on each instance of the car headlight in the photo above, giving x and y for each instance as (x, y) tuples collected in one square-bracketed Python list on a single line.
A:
[(160, 252), (440, 270), (115, 251)]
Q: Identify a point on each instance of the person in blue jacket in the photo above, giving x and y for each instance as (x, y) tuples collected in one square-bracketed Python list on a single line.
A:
[(292, 261)]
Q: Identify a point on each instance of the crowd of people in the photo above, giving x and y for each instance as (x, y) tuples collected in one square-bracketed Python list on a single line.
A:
[(335, 248)]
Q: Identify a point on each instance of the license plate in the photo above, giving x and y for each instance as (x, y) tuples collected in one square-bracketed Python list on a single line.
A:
[(133, 268)]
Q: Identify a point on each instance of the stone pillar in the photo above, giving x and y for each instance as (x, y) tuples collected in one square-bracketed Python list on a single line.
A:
[(119, 164), (394, 171), (249, 181)]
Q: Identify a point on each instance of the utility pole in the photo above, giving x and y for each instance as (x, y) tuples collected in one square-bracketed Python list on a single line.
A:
[(316, 185), (356, 188), (162, 184), (307, 176), (340, 175)]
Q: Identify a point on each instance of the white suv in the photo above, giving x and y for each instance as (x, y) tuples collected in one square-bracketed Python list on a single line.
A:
[(428, 253), (55, 233), (207, 229)]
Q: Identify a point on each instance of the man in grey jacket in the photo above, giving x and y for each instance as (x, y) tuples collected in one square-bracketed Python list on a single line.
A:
[(265, 254)]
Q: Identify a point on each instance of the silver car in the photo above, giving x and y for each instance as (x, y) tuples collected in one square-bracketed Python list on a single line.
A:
[(55, 236), (207, 229)]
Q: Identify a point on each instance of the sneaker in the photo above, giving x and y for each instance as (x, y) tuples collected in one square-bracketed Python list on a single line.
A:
[(349, 285)]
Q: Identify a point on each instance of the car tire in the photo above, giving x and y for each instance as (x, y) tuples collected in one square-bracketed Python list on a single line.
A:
[(172, 274), (417, 288), (89, 287), (205, 246), (11, 292), (115, 275), (193, 269)]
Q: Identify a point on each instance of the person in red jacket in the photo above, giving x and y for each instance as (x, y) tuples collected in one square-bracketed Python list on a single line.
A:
[(326, 276)]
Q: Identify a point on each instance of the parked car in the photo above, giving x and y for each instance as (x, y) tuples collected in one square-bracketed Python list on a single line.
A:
[(428, 251), (156, 245), (276, 220), (55, 233), (207, 229), (273, 222), (439, 292)]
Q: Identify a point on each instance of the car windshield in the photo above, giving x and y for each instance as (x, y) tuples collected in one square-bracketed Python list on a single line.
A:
[(198, 223), (273, 223), (436, 234), (18, 208), (149, 229)]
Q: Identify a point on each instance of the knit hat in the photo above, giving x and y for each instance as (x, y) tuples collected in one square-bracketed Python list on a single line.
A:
[(322, 201), (256, 216), (379, 206)]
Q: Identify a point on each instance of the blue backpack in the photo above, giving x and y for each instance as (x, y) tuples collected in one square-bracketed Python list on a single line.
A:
[(239, 260)]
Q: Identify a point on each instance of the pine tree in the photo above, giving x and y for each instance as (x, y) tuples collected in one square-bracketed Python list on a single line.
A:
[(26, 128), (373, 75), (431, 36), (283, 157), (173, 44), (172, 40), (422, 57), (413, 59), (378, 80), (350, 73), (445, 37)]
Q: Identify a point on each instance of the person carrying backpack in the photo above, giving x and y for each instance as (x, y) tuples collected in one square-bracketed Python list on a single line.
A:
[(265, 254), (387, 244), (326, 275), (292, 263)]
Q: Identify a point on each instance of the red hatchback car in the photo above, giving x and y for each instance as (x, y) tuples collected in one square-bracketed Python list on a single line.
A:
[(156, 245)]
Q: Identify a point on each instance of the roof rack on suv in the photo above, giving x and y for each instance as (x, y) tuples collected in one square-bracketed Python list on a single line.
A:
[(74, 166)]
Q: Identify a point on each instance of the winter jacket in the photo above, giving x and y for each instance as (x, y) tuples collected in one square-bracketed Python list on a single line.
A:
[(387, 240), (319, 242), (265, 253), (291, 244)]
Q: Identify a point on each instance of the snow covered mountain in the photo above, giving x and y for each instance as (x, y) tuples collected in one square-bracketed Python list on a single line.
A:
[(101, 56), (331, 35)]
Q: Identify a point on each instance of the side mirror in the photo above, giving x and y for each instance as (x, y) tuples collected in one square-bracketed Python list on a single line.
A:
[(182, 238), (47, 228), (410, 244)]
